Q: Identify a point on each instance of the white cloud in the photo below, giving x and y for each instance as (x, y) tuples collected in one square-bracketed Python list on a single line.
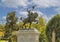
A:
[(46, 3), (3, 20), (2, 0), (39, 13), (14, 3), (39, 3), (57, 10), (46, 19), (23, 13), (4, 17), (50, 18)]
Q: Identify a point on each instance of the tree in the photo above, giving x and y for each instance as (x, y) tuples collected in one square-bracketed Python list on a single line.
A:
[(1, 27), (10, 26), (1, 31), (40, 26), (20, 25), (41, 21), (11, 20), (53, 29)]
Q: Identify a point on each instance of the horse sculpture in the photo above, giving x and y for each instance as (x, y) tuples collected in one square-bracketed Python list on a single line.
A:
[(31, 18)]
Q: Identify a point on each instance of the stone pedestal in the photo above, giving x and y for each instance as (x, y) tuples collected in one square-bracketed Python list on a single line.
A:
[(31, 35)]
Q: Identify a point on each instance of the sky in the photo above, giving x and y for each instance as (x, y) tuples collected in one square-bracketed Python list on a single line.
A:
[(46, 8)]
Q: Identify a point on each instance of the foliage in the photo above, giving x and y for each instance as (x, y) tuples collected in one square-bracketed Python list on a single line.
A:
[(20, 25), (3, 41), (1, 27), (41, 28), (53, 25), (11, 21), (10, 25), (1, 31)]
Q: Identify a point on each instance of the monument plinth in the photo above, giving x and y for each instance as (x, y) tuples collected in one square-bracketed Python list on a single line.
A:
[(31, 35)]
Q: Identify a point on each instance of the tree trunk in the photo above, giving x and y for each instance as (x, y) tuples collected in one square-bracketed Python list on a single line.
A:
[(53, 36), (30, 25)]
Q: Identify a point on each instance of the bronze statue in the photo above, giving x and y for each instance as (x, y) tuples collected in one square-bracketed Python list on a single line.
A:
[(31, 17)]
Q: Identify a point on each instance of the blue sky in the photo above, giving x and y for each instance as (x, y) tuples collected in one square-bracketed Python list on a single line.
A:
[(47, 8)]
